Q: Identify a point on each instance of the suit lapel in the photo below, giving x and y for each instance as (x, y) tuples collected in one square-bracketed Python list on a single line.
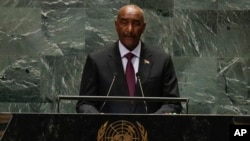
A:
[(145, 66), (115, 64)]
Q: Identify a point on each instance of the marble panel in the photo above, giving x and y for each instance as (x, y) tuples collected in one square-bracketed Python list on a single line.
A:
[(6, 60), (195, 33), (100, 28), (196, 4), (67, 106), (20, 32), (234, 4), (102, 13), (60, 75), (20, 81), (29, 107), (63, 29), (99, 33), (20, 3), (63, 4), (197, 81), (105, 4), (247, 70), (232, 109), (158, 32), (233, 33), (155, 4), (233, 80)]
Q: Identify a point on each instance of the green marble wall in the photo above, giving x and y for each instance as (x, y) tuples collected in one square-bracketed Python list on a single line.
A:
[(43, 45)]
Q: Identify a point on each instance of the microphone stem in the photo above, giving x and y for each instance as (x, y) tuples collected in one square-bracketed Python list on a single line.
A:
[(139, 80), (108, 92)]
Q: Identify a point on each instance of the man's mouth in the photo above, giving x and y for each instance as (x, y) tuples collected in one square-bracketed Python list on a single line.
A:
[(130, 37)]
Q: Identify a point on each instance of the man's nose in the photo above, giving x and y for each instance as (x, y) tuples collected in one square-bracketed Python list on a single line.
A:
[(130, 27)]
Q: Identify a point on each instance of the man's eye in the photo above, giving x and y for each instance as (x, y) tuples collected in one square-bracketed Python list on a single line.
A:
[(124, 22), (137, 23)]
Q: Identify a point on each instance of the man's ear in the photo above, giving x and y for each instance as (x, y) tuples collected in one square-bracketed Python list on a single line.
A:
[(144, 27), (116, 24)]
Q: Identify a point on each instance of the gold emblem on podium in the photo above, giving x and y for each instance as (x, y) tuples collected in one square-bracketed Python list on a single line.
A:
[(122, 130)]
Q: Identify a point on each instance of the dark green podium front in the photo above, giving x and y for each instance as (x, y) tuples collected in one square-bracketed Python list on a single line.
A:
[(86, 127)]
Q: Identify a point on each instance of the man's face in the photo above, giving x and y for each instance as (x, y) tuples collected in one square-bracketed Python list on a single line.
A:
[(129, 26)]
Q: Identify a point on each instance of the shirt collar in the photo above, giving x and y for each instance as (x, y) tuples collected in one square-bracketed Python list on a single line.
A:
[(123, 50)]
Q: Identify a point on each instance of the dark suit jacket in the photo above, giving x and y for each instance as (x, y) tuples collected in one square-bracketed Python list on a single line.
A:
[(157, 76)]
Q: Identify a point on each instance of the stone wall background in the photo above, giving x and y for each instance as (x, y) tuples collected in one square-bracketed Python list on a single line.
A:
[(43, 45)]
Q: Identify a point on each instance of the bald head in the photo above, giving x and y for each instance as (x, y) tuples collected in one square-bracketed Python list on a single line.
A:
[(132, 8)]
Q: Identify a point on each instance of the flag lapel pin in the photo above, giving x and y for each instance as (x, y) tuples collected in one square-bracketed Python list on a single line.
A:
[(146, 61)]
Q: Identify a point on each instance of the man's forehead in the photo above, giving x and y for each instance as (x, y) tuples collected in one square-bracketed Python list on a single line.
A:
[(130, 13)]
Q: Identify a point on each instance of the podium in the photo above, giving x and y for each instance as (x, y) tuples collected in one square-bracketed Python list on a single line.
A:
[(123, 98), (109, 127)]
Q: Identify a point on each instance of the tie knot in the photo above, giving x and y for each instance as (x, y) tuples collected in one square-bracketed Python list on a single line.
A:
[(129, 55)]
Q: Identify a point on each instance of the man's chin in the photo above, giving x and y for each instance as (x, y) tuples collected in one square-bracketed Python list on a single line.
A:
[(129, 43), (130, 46)]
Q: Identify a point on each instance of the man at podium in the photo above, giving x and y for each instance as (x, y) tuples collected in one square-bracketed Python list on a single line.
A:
[(129, 67)]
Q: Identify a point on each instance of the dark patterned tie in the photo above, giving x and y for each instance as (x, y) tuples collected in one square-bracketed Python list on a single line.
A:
[(130, 74)]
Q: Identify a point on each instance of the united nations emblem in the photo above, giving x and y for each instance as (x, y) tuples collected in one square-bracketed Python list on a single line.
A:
[(122, 130)]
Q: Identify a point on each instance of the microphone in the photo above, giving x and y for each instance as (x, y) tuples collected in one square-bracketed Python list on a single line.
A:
[(142, 93), (110, 87)]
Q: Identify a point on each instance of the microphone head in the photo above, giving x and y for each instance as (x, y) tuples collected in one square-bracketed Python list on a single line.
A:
[(115, 75), (137, 75)]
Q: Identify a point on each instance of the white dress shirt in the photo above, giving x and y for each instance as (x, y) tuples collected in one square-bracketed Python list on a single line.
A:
[(135, 61)]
